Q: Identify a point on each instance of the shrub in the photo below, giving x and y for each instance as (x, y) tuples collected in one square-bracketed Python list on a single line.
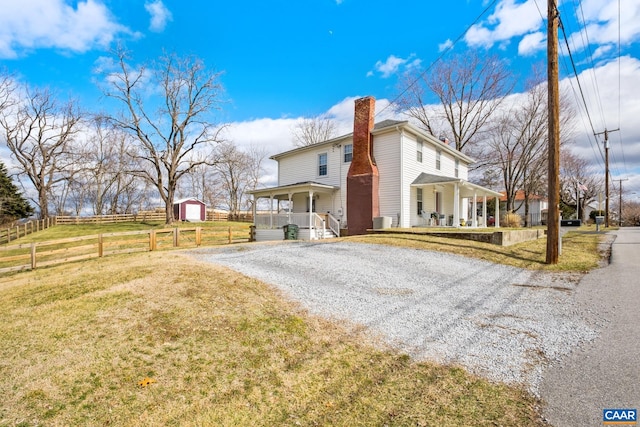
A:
[(512, 220)]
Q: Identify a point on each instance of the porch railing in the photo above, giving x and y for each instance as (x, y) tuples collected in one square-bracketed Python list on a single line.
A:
[(300, 219), (334, 225), (281, 219)]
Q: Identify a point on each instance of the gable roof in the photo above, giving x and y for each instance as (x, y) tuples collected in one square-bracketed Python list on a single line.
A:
[(383, 127), (188, 199), (519, 197)]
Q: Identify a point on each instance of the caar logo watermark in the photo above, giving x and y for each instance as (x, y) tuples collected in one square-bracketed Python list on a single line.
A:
[(618, 417)]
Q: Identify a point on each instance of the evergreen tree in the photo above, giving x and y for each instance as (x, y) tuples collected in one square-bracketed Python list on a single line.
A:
[(12, 204)]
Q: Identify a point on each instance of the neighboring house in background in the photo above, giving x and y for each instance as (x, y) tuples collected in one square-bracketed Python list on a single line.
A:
[(190, 209), (538, 206), (390, 174)]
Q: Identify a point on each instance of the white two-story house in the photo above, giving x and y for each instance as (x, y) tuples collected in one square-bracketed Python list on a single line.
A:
[(391, 174)]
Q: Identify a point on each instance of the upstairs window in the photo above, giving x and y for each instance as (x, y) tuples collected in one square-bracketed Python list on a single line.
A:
[(438, 156), (457, 167), (419, 151), (322, 164), (348, 153)]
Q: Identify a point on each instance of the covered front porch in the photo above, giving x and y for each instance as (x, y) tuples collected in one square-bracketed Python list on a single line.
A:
[(452, 202), (308, 205)]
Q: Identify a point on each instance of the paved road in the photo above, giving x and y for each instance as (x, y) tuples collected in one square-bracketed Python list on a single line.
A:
[(606, 372)]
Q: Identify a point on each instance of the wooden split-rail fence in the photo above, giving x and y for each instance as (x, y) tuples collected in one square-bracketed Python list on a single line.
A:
[(40, 254)]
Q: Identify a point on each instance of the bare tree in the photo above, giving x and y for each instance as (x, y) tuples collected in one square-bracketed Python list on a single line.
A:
[(469, 86), (7, 88), (203, 183), (309, 131), (39, 131), (578, 180), (517, 143), (109, 157), (238, 172), (168, 112)]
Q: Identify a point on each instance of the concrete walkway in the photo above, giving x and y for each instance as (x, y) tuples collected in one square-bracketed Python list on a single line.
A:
[(604, 373)]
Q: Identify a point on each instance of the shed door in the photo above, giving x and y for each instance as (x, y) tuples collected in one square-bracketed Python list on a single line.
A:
[(192, 212)]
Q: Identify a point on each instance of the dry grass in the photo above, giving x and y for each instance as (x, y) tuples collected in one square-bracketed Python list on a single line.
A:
[(579, 249), (223, 349)]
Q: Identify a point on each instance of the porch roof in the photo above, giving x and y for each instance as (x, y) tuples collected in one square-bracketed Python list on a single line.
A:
[(467, 189), (282, 192)]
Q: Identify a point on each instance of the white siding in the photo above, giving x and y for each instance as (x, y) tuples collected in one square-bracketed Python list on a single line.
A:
[(386, 151), (303, 166), (395, 156)]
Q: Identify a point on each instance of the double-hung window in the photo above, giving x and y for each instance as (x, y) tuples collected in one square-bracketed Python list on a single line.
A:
[(438, 156), (419, 151), (457, 167), (322, 164), (348, 153)]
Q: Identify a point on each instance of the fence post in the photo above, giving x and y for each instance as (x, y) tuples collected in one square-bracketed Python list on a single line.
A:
[(33, 255), (176, 234), (152, 240), (17, 231), (8, 235), (198, 236), (229, 235), (100, 245)]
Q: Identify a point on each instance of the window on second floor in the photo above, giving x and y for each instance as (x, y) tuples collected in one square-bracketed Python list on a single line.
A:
[(438, 157), (419, 151), (348, 153), (457, 167), (322, 164)]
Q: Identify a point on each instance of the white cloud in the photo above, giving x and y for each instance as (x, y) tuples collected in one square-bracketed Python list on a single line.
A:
[(509, 20), (601, 18), (444, 46), (532, 44), (393, 64), (32, 24), (619, 109), (160, 15)]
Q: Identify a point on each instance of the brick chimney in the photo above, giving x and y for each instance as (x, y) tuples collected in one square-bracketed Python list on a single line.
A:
[(362, 179)]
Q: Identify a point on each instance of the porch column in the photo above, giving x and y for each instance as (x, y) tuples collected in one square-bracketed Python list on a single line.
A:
[(254, 210), (497, 212), (270, 211), (474, 220), (484, 210), (456, 205), (310, 213)]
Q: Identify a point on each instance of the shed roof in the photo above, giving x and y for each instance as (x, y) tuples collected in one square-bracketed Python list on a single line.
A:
[(188, 199)]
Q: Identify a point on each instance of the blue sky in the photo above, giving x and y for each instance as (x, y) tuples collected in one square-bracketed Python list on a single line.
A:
[(285, 59)]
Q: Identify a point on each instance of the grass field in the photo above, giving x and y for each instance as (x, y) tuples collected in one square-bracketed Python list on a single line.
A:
[(580, 251), (219, 349), (222, 350)]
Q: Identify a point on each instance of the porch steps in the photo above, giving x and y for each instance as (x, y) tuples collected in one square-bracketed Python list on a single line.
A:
[(328, 234)]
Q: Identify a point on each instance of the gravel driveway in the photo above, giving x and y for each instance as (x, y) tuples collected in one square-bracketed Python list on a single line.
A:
[(500, 322)]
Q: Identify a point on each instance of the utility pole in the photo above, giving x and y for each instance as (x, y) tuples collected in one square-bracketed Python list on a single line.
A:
[(606, 174), (620, 205), (553, 218)]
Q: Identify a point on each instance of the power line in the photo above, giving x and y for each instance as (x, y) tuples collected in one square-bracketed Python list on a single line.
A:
[(593, 67), (442, 55), (575, 71)]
